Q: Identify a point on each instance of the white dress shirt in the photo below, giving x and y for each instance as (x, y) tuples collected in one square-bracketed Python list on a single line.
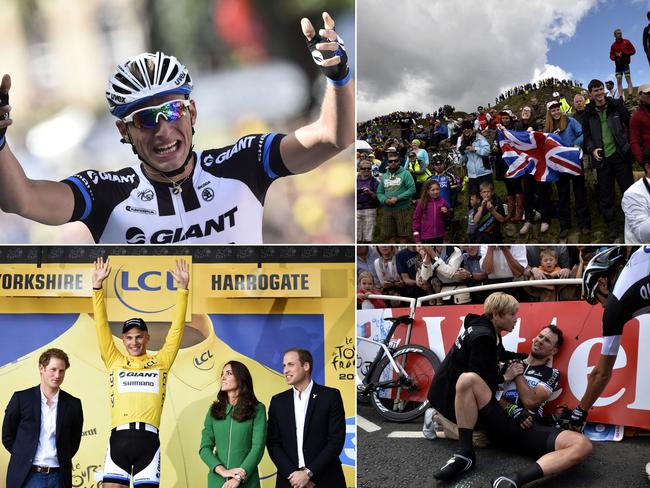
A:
[(46, 450), (300, 402)]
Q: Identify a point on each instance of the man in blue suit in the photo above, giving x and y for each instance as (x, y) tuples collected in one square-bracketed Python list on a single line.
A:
[(306, 428), (42, 429)]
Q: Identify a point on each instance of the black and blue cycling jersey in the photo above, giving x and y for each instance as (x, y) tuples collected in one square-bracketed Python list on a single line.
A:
[(222, 201)]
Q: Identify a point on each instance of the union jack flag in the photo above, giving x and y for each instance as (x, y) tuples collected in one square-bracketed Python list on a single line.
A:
[(539, 154)]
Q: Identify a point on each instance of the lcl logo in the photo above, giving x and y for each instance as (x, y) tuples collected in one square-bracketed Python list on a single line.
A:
[(200, 361), (147, 281)]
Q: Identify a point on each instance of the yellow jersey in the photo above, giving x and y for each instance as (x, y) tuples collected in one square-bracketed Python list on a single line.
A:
[(138, 384)]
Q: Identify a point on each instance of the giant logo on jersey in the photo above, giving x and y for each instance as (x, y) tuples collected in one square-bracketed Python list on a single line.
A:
[(243, 143), (138, 381), (226, 220)]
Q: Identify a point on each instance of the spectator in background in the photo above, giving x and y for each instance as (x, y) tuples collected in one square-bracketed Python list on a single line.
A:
[(439, 266), (503, 263), (395, 191), (474, 205), (419, 171), (636, 206), (621, 52), (386, 270), (366, 256), (531, 189), (470, 273), (514, 190), (611, 91), (474, 148), (579, 105), (367, 202), (640, 124), (449, 184), (408, 261), (482, 119), (547, 270), (421, 135), (365, 288), (569, 131), (489, 216), (439, 133), (605, 138), (431, 213)]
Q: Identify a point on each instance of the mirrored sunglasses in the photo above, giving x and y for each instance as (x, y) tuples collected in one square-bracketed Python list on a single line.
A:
[(147, 118)]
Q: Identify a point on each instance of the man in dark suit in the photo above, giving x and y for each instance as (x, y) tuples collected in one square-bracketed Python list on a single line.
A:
[(306, 428), (42, 428)]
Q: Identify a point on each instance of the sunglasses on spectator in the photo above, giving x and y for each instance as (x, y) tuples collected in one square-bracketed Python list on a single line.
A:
[(147, 118), (365, 168)]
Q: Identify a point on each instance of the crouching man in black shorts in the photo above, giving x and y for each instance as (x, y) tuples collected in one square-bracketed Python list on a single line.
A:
[(463, 391)]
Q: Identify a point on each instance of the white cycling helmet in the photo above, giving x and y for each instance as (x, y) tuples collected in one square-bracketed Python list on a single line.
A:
[(125, 89)]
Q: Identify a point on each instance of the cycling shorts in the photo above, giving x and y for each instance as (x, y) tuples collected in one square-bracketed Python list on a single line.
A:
[(133, 453), (507, 434)]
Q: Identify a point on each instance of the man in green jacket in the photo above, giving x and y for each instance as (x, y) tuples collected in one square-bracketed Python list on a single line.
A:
[(395, 191)]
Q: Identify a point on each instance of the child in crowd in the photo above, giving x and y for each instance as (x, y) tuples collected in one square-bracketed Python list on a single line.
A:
[(430, 215), (489, 216), (547, 270), (474, 204), (365, 289)]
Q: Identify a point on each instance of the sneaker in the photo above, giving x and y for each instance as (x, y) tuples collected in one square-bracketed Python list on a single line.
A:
[(504, 482), (430, 425), (456, 465), (564, 233), (525, 228), (536, 216), (544, 227), (647, 470)]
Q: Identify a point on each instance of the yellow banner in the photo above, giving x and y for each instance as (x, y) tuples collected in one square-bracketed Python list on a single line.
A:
[(269, 281), (50, 280), (143, 286)]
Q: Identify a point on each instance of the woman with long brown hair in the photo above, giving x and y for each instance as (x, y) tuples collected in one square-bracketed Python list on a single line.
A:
[(234, 431)]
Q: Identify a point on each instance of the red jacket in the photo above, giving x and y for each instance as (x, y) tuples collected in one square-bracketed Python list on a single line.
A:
[(640, 132), (429, 222), (623, 46)]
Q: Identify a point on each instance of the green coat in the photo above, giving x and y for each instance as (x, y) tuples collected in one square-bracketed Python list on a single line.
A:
[(244, 450)]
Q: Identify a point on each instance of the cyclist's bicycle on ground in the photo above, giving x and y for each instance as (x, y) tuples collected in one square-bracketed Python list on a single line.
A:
[(398, 379)]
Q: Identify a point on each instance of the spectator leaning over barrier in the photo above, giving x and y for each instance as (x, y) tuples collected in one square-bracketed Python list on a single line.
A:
[(621, 52), (503, 263), (547, 270), (605, 138), (395, 191), (636, 206)]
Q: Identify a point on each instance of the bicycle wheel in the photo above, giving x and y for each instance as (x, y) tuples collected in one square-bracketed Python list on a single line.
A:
[(398, 397)]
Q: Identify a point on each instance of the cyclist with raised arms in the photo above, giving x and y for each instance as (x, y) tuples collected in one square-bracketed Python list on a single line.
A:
[(622, 287), (178, 194), (138, 382)]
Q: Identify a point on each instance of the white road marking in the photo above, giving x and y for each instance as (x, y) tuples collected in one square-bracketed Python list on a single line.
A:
[(367, 425), (407, 434)]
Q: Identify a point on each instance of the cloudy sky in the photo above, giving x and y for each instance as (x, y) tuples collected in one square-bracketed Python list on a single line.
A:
[(421, 54)]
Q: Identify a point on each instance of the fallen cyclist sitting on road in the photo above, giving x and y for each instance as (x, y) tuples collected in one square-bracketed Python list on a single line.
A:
[(463, 391)]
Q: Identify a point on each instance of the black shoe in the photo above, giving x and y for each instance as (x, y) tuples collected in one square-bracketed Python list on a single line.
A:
[(564, 233), (456, 465), (504, 482)]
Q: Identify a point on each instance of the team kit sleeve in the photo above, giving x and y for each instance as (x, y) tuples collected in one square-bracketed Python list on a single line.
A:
[(254, 160), (107, 349)]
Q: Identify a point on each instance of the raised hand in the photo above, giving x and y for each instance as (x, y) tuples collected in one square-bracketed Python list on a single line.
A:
[(182, 273), (327, 48), (100, 272)]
